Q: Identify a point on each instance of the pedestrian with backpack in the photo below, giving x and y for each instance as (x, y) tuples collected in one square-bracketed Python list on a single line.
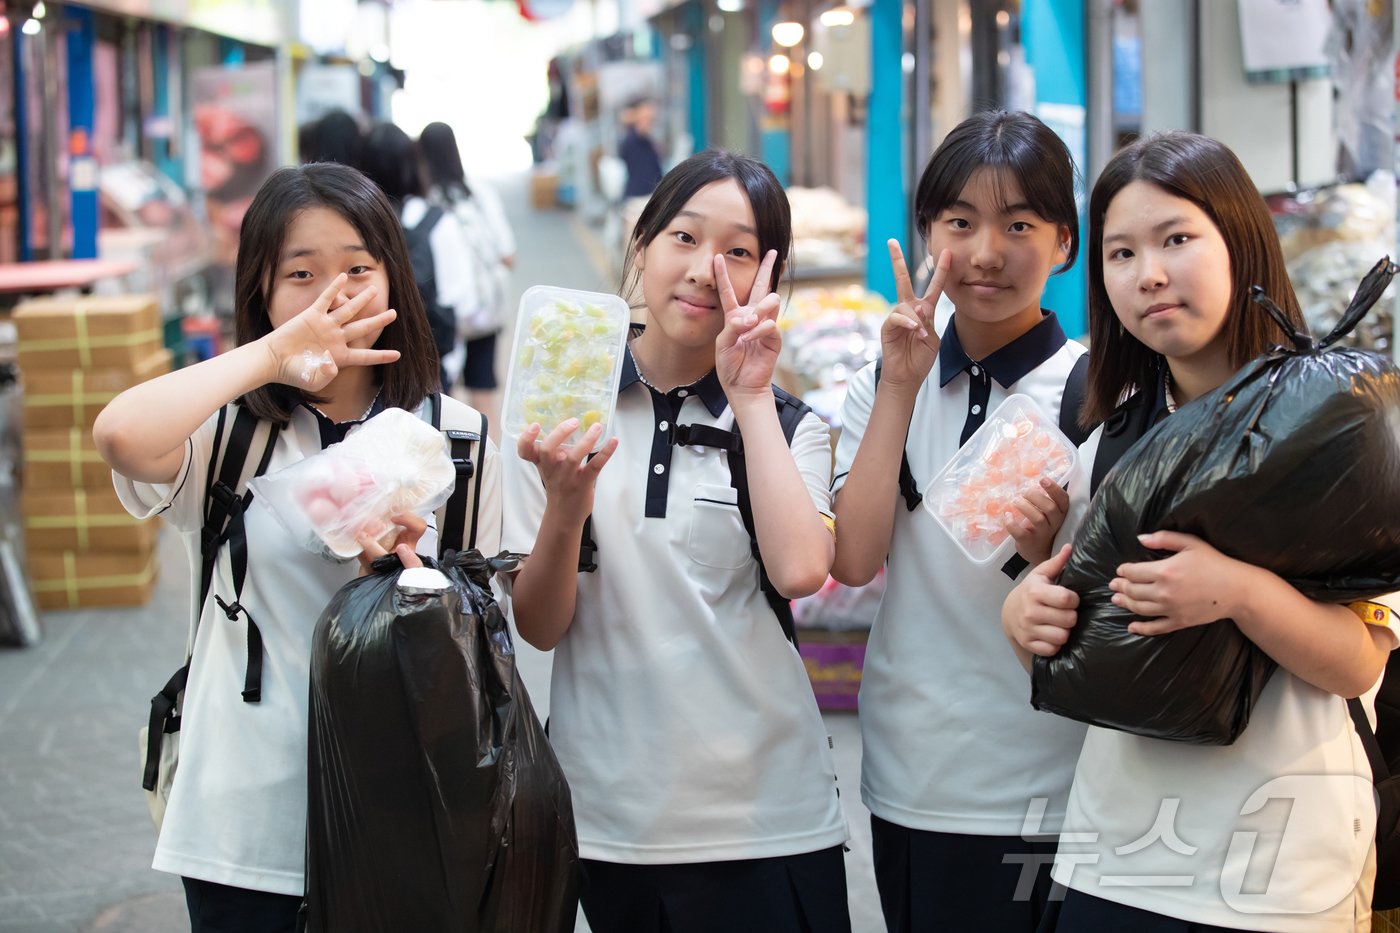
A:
[(965, 783), (1163, 836), (330, 331), (451, 288), (702, 777), (491, 253)]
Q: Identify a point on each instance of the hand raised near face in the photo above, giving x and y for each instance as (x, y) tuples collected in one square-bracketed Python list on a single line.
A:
[(310, 350), (907, 338)]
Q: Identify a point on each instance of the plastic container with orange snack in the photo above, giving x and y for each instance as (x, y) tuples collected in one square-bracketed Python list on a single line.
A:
[(1007, 457), (566, 360)]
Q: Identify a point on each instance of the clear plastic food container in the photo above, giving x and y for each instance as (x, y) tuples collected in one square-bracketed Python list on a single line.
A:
[(1006, 458), (566, 360)]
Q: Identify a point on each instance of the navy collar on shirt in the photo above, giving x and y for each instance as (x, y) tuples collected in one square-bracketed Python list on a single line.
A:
[(333, 432), (1009, 363), (707, 387)]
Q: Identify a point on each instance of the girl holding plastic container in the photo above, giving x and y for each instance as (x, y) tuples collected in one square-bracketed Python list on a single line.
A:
[(701, 775), (966, 784), (1160, 835), (330, 331)]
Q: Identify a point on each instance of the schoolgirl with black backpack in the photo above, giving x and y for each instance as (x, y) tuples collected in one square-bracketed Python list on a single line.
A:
[(330, 330)]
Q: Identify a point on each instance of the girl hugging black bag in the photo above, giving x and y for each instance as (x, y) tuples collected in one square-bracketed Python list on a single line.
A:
[(1292, 465), (435, 802)]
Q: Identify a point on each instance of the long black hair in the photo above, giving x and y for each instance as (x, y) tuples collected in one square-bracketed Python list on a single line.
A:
[(771, 213), (261, 240), (443, 161), (390, 160)]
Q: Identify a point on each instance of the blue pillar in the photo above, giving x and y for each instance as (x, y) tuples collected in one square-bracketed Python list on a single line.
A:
[(697, 111), (82, 166), (1054, 32), (887, 201), (774, 142), (172, 168), (26, 248)]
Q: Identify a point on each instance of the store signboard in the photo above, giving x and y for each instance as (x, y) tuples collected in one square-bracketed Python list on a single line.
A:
[(262, 22), (235, 117), (1284, 40)]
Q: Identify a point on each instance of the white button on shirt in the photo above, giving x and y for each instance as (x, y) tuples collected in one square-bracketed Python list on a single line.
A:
[(682, 716)]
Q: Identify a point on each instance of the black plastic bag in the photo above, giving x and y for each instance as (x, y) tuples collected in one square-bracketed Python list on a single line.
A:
[(435, 801), (1292, 465)]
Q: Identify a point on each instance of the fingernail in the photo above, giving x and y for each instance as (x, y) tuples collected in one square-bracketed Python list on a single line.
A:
[(1143, 538), (923, 333)]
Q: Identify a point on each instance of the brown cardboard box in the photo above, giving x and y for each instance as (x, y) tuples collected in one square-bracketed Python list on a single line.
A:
[(60, 398), (82, 520), (113, 332), (72, 580), (63, 458), (544, 190)]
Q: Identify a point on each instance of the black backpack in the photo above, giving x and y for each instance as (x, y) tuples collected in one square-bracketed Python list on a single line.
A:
[(1070, 403), (442, 321), (791, 411), (226, 500)]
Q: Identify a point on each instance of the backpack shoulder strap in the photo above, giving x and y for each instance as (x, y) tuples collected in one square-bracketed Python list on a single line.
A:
[(1121, 430), (907, 487), (455, 529), (225, 506), (791, 411), (1073, 399)]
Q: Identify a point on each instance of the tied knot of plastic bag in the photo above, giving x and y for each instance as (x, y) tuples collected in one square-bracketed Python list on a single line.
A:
[(1292, 465)]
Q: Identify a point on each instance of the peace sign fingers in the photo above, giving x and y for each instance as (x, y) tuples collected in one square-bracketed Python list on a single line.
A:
[(940, 275), (763, 282), (904, 288)]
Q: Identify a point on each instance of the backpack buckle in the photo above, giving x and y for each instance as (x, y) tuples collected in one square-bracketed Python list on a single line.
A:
[(231, 610)]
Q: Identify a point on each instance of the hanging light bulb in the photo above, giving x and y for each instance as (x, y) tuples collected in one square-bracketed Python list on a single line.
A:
[(31, 27), (40, 11), (780, 64), (787, 34), (815, 61), (837, 17)]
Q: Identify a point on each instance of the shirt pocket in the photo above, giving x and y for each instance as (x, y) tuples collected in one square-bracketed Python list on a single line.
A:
[(717, 535)]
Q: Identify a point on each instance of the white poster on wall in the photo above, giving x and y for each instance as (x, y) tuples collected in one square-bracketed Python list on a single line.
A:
[(1284, 35)]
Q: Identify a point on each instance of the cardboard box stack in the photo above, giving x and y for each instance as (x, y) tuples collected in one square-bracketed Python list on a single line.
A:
[(75, 355)]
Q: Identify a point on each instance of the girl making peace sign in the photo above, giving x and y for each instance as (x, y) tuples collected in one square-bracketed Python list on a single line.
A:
[(702, 781), (965, 782)]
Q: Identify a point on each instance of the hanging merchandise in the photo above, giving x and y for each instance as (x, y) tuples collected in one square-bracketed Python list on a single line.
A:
[(1292, 465), (435, 802)]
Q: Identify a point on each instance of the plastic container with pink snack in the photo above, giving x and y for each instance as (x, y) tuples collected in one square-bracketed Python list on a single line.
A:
[(394, 463), (1005, 458)]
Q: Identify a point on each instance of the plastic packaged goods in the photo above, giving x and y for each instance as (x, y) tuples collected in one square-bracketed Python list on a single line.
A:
[(1292, 465), (1015, 448), (434, 801), (566, 360), (395, 462)]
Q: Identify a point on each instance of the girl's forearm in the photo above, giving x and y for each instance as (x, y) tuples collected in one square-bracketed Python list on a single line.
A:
[(866, 503), (793, 538), (141, 433), (545, 592), (1324, 644)]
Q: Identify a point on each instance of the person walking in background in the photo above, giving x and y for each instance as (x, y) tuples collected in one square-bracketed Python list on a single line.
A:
[(491, 254), (335, 137), (449, 288), (638, 149)]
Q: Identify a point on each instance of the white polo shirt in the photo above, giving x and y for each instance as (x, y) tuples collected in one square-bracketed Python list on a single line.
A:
[(950, 741), (237, 810), (681, 714), (1270, 833)]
